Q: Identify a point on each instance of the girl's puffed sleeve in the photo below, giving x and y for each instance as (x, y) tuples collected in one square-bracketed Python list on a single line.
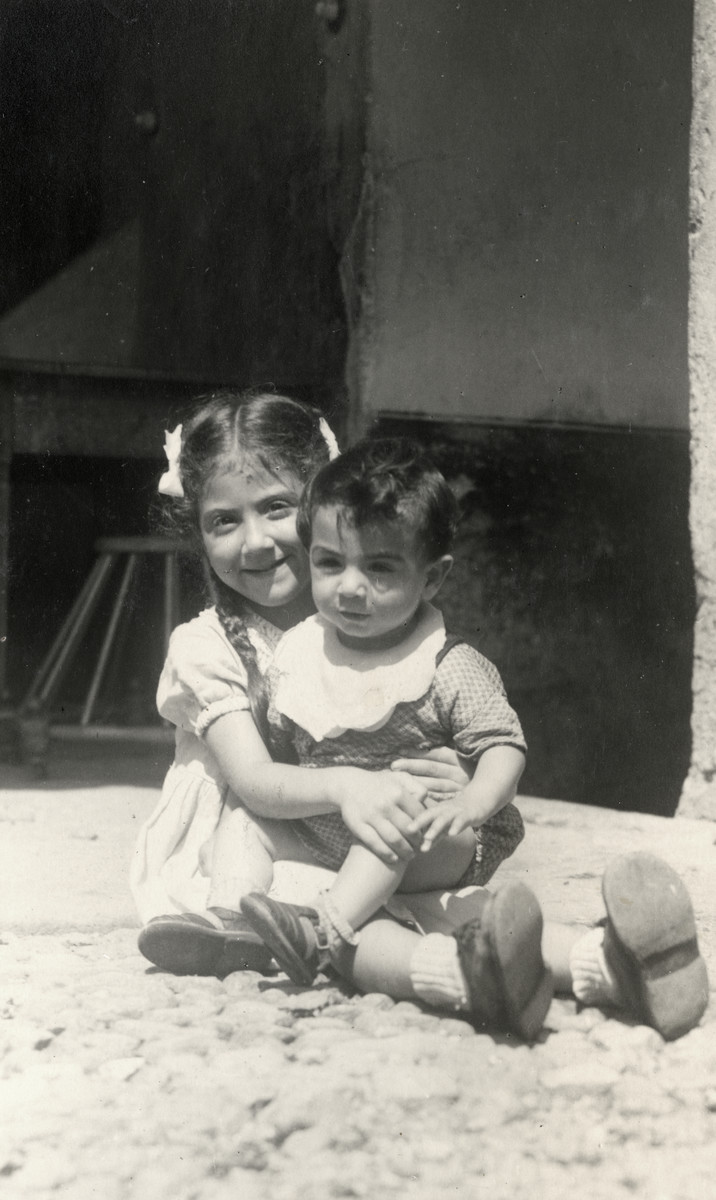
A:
[(203, 678)]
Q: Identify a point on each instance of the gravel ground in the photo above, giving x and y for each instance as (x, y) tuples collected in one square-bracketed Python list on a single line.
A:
[(121, 1082)]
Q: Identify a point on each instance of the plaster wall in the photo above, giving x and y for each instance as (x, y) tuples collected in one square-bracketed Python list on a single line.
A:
[(529, 168), (699, 795), (524, 311)]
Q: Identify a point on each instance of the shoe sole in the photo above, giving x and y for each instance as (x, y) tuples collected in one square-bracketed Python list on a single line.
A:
[(513, 925), (185, 948), (651, 946), (259, 913)]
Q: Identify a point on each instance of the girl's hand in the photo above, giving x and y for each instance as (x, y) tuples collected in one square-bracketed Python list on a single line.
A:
[(444, 820), (441, 772), (380, 809)]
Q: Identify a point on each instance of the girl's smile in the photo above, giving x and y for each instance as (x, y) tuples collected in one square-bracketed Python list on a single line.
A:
[(248, 527), (272, 566)]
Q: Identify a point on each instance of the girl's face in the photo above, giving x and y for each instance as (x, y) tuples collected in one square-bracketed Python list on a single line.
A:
[(248, 526), (370, 582)]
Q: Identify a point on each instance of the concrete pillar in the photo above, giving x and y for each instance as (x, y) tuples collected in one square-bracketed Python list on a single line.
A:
[(699, 794)]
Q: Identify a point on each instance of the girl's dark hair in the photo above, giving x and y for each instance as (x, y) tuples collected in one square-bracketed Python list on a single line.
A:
[(386, 479), (280, 433), (284, 436)]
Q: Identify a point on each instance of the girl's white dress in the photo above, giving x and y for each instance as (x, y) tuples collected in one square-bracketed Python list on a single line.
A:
[(203, 678)]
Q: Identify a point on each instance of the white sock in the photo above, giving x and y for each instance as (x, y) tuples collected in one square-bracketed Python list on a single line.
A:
[(337, 929), (592, 980), (436, 975)]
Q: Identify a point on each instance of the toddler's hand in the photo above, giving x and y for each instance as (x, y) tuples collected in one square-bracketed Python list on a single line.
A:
[(443, 820)]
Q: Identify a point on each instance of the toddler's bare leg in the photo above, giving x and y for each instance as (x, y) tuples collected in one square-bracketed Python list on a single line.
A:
[(364, 882)]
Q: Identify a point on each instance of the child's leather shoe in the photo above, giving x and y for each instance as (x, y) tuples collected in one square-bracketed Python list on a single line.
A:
[(650, 944), (292, 933), (194, 944), (500, 954)]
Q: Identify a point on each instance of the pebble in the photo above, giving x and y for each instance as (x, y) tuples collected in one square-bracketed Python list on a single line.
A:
[(120, 1069), (376, 1000), (622, 1037), (581, 1077), (312, 1001), (453, 1027), (123, 1082)]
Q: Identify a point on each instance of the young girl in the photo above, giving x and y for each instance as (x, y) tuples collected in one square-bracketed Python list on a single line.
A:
[(235, 478)]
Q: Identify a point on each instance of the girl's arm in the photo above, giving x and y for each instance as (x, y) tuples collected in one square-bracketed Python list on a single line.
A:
[(442, 771), (493, 785), (377, 806)]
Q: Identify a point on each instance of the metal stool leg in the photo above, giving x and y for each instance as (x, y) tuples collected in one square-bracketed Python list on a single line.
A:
[(73, 629), (108, 640), (36, 714)]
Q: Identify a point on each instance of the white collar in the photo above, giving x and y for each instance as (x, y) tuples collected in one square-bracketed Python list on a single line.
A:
[(327, 688)]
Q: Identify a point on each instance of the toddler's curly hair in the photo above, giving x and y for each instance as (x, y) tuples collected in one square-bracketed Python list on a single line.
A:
[(385, 479)]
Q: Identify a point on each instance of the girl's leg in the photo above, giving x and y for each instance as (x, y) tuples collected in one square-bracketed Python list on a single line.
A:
[(558, 943), (244, 850), (407, 965), (491, 967), (240, 859), (410, 966), (574, 955), (382, 959), (644, 958)]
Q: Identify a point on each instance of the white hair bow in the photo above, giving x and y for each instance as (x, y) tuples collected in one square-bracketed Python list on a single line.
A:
[(329, 438), (170, 483)]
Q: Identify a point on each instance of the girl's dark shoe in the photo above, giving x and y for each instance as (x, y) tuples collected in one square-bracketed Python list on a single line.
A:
[(500, 953), (650, 944), (190, 944), (292, 933)]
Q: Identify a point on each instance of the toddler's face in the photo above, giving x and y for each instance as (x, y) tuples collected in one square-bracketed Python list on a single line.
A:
[(248, 527), (369, 582)]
